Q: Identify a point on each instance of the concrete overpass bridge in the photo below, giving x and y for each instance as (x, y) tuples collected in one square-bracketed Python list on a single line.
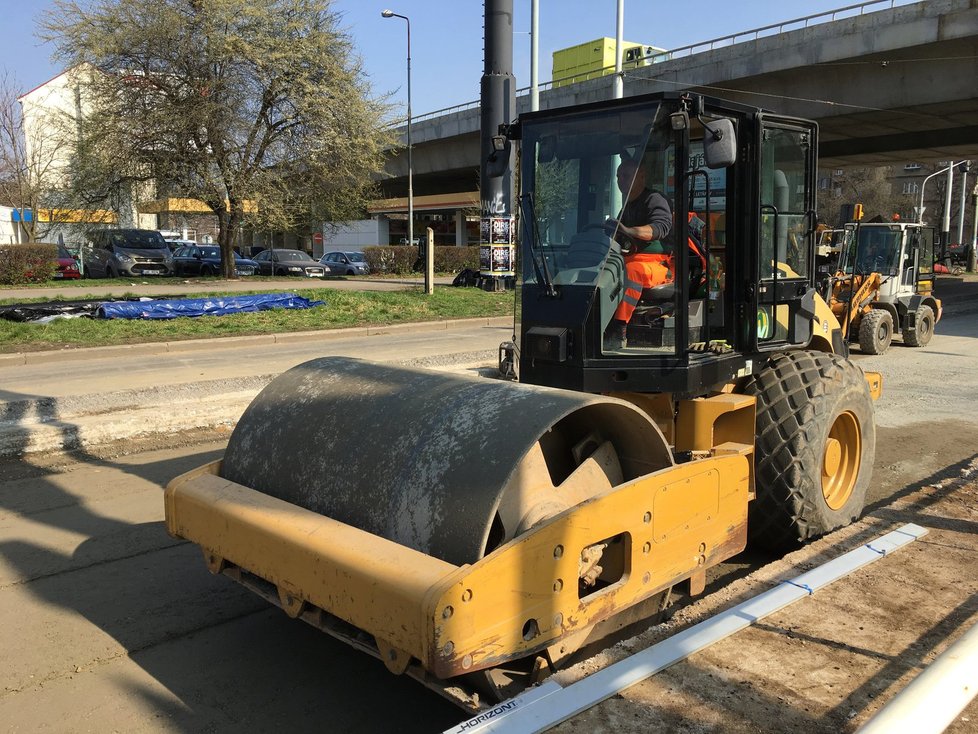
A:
[(888, 81)]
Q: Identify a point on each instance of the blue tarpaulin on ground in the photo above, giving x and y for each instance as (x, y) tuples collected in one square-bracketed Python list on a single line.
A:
[(219, 306)]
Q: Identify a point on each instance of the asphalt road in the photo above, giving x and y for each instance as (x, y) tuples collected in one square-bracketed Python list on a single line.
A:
[(110, 625)]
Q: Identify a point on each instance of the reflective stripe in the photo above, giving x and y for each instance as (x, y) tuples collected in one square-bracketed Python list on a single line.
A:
[(633, 285)]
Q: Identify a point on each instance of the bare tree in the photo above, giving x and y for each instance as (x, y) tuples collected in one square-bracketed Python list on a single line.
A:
[(259, 108), (872, 187), (32, 160)]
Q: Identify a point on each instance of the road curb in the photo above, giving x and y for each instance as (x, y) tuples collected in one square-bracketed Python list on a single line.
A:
[(231, 342), (38, 425)]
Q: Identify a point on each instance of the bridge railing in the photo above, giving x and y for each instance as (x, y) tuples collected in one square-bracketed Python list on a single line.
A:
[(828, 16)]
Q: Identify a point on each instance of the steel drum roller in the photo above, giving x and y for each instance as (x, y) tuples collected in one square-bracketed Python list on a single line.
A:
[(450, 465)]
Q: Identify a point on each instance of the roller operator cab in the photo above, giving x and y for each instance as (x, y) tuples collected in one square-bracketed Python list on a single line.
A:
[(740, 184)]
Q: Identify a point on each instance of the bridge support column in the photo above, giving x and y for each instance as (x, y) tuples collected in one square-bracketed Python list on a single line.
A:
[(460, 235)]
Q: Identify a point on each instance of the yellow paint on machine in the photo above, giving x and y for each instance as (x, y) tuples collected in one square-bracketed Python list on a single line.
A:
[(362, 578), (661, 529)]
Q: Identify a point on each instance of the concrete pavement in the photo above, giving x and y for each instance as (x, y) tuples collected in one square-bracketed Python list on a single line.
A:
[(84, 398)]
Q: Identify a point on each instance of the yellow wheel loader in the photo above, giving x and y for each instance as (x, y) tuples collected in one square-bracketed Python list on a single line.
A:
[(885, 285), (476, 533)]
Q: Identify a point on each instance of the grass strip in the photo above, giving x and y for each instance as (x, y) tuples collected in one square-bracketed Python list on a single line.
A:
[(343, 309)]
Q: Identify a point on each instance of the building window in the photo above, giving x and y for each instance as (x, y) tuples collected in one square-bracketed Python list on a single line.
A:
[(912, 167), (824, 183), (910, 188)]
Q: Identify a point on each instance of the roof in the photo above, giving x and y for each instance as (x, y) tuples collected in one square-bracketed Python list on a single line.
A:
[(56, 76)]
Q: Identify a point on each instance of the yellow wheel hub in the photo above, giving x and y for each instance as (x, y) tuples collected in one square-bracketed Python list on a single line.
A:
[(833, 457), (840, 461)]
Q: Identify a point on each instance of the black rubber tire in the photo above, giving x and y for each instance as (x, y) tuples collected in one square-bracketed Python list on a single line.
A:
[(924, 330), (800, 397), (207, 271), (875, 331)]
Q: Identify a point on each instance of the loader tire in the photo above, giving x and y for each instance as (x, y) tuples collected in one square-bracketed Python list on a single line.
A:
[(875, 331), (814, 450), (924, 330)]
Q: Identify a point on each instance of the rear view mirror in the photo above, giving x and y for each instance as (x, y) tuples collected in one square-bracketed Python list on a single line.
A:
[(719, 144)]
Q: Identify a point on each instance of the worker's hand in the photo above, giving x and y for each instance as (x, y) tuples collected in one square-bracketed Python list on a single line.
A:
[(612, 225)]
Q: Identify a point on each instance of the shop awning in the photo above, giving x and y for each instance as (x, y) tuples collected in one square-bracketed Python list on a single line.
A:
[(430, 202)]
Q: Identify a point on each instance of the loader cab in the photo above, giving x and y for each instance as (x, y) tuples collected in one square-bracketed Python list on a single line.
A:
[(739, 254), (902, 254)]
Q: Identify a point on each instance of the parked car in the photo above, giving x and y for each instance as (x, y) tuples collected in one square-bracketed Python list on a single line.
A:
[(67, 265), (417, 241), (131, 253), (206, 260), (345, 263), (174, 245), (289, 262)]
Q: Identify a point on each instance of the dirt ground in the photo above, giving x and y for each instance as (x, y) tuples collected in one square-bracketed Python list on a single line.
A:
[(826, 663)]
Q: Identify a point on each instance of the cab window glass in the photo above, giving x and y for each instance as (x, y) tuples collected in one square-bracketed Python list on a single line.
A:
[(784, 203)]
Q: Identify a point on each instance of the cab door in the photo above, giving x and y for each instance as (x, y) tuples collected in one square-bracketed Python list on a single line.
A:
[(785, 296), (923, 275)]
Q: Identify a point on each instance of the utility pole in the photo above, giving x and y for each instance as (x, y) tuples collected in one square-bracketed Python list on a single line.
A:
[(946, 227), (534, 55), (497, 257), (618, 91), (619, 88), (965, 167)]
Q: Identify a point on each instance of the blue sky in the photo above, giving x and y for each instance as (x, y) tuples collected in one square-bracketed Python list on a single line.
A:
[(446, 37)]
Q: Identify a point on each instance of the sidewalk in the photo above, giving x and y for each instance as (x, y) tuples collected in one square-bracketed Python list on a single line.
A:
[(86, 398)]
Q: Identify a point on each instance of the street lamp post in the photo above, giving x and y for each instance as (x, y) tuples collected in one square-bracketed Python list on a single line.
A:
[(947, 171), (392, 14), (965, 167), (946, 227)]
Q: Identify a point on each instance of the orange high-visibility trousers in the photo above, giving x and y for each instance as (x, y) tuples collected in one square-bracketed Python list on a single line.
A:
[(642, 270)]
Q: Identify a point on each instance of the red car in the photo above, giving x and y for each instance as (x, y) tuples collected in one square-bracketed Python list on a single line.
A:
[(67, 265)]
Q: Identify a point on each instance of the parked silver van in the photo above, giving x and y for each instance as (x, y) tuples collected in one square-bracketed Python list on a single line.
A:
[(128, 253)]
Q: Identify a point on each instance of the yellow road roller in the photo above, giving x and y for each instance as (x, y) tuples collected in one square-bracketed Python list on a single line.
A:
[(476, 533)]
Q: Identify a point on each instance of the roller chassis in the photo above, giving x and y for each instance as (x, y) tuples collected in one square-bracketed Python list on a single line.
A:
[(590, 502), (640, 532)]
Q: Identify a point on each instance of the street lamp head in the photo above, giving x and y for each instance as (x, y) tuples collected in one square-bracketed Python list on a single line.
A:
[(387, 13)]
